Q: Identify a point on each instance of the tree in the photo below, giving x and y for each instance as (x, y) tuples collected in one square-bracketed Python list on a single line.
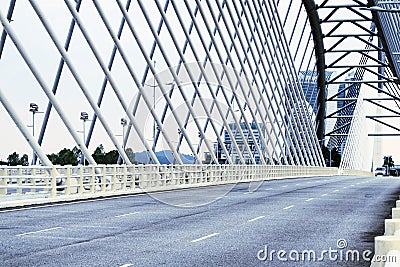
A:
[(77, 152), (99, 154), (24, 160), (14, 160), (65, 157), (333, 155), (103, 157), (53, 158), (336, 157), (388, 161), (111, 157)]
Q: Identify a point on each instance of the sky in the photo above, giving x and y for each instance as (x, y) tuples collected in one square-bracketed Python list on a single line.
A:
[(21, 89)]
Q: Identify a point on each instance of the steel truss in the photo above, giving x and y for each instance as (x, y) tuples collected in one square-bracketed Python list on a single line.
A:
[(359, 46), (214, 79)]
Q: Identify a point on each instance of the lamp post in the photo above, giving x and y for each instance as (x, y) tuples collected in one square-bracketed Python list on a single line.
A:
[(154, 86), (84, 117), (34, 108), (154, 106), (124, 122)]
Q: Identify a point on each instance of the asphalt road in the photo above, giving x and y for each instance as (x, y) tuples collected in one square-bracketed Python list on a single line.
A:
[(296, 222)]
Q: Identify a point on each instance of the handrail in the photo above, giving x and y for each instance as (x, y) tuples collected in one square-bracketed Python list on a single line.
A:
[(88, 180)]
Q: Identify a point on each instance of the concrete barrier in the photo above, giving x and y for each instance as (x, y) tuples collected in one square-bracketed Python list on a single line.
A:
[(396, 213), (387, 247), (392, 227), (387, 251)]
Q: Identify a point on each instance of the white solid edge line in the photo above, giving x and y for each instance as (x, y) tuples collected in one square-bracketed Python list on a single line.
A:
[(204, 237), (91, 200), (289, 207), (255, 219), (41, 231), (66, 203), (127, 214), (185, 204)]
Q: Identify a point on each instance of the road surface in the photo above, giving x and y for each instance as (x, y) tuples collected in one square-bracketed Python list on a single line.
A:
[(293, 222)]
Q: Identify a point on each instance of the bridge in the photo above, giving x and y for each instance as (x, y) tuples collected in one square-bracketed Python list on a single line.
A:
[(206, 97)]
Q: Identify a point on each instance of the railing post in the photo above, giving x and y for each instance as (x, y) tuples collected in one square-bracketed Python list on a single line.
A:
[(19, 180), (114, 178), (125, 178), (103, 179), (80, 190), (33, 189), (92, 180), (3, 182), (68, 181), (53, 191)]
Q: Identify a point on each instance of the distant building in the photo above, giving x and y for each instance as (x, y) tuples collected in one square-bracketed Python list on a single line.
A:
[(309, 83), (346, 90), (247, 129)]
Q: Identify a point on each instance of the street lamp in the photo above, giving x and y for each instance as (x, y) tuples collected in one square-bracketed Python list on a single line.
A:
[(34, 108), (84, 117), (124, 122), (154, 85)]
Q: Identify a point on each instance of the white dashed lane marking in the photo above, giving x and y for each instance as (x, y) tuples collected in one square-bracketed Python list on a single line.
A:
[(41, 231), (204, 237), (255, 219), (126, 214), (289, 207)]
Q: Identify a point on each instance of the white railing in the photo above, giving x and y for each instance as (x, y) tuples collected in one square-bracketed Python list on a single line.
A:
[(88, 180), (355, 172)]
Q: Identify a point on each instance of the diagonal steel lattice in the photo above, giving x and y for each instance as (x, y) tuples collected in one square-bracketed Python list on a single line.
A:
[(204, 82)]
